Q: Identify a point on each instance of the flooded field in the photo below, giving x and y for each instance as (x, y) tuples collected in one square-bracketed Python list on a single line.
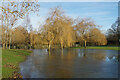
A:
[(71, 63)]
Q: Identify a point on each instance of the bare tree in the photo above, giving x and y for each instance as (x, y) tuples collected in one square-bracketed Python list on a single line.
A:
[(87, 31), (17, 10), (82, 28)]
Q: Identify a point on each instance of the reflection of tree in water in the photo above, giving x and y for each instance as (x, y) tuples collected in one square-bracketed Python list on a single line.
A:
[(102, 55), (99, 55), (58, 64), (48, 52), (84, 53)]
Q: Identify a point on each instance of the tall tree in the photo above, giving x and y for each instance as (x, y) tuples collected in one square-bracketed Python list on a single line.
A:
[(82, 28), (48, 33), (97, 37), (58, 28), (19, 36), (113, 34), (17, 10)]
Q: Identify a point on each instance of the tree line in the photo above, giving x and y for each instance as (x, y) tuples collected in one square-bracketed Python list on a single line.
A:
[(59, 29), (113, 34)]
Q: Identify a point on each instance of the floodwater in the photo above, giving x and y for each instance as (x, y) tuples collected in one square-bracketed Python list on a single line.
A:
[(71, 63)]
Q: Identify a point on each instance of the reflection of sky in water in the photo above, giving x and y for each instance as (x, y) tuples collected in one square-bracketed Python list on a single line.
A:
[(114, 57), (80, 53), (107, 59), (70, 63)]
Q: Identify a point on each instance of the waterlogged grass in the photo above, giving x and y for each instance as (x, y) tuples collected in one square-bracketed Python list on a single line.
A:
[(11, 59), (105, 48)]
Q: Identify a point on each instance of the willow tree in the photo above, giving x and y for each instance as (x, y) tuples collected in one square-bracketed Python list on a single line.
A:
[(48, 33), (58, 28), (66, 33)]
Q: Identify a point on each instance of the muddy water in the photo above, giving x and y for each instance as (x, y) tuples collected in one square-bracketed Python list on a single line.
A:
[(71, 63)]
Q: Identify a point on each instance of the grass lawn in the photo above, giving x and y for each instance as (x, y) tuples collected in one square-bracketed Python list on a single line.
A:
[(11, 59), (105, 48)]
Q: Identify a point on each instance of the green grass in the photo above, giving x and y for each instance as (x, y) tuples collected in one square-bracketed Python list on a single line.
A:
[(11, 59), (102, 47)]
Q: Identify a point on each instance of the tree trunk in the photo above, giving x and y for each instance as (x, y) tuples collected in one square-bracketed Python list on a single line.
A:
[(10, 41), (84, 53), (49, 46), (49, 49), (6, 45), (6, 24), (3, 45), (31, 46), (31, 39), (85, 43), (61, 45), (9, 45)]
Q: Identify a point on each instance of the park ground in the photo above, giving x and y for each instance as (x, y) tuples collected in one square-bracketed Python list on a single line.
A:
[(100, 47), (11, 58)]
